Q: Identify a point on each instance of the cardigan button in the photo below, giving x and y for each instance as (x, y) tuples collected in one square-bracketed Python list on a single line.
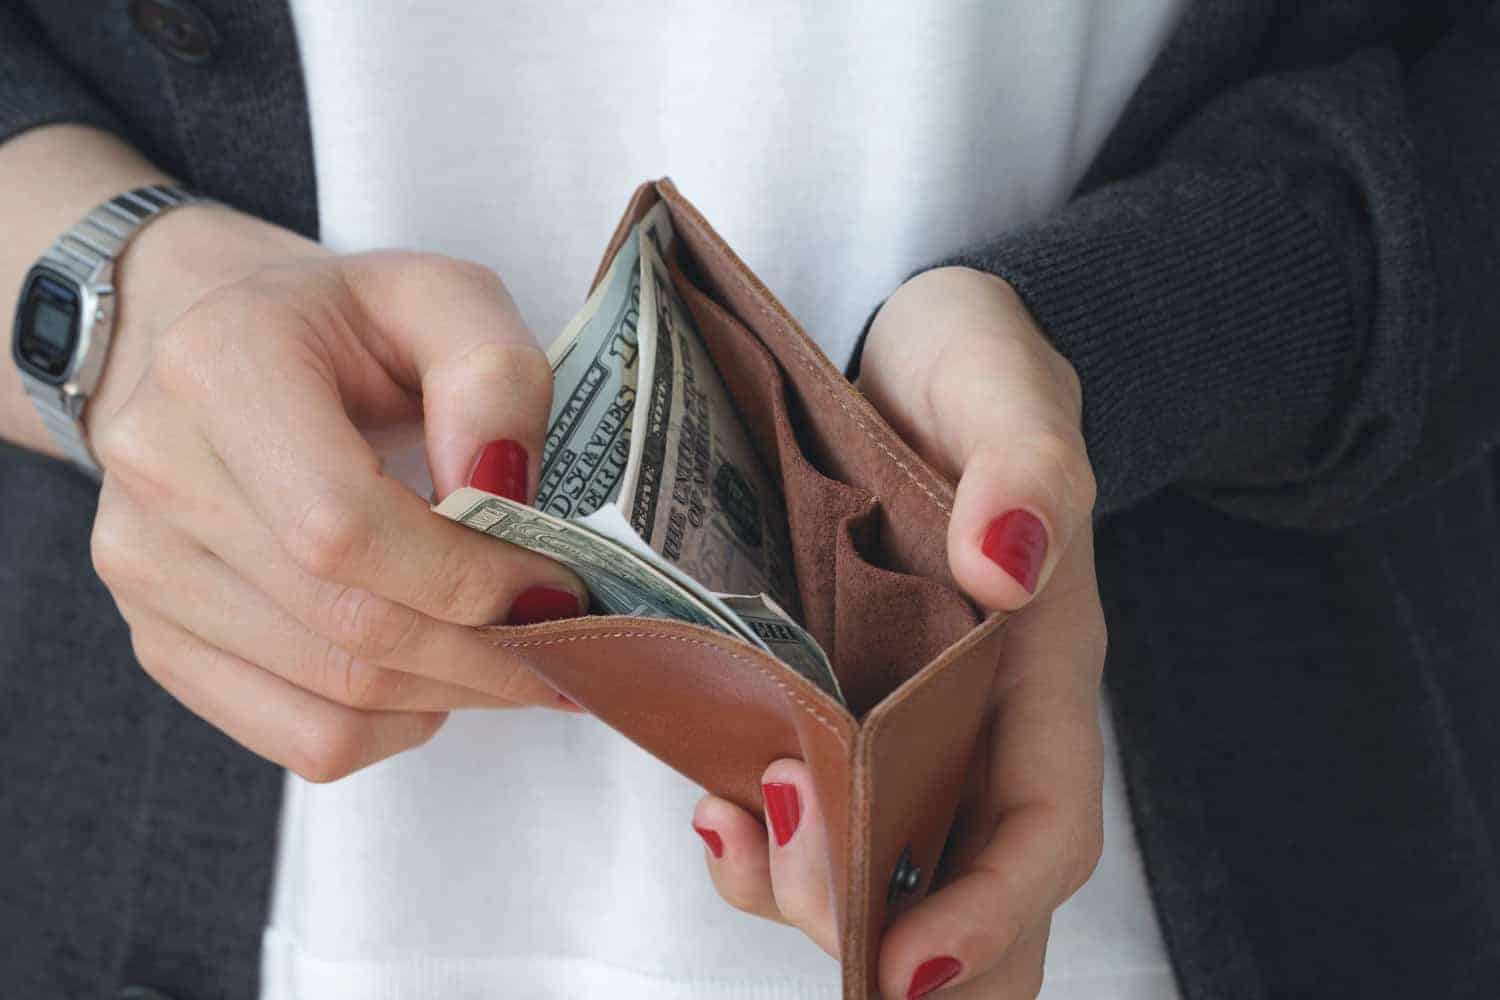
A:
[(176, 27), (142, 993)]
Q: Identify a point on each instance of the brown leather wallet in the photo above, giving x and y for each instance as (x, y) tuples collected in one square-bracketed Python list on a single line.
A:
[(868, 530)]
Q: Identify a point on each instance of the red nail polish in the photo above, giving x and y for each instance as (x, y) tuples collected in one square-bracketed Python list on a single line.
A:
[(712, 839), (783, 808), (931, 974), (1016, 541), (501, 470), (568, 704), (543, 604)]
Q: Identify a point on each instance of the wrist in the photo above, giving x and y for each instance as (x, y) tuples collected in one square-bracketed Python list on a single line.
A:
[(171, 263)]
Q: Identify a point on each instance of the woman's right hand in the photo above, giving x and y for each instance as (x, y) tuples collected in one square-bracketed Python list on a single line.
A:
[(273, 579)]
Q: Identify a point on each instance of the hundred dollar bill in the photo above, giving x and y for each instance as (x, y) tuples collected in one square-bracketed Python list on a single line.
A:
[(619, 580), (678, 471), (788, 642), (594, 365), (650, 489), (626, 580)]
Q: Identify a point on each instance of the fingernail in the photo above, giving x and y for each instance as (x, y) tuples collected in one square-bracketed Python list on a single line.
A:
[(1016, 541), (543, 604), (784, 809), (563, 701), (501, 470), (712, 839), (931, 974)]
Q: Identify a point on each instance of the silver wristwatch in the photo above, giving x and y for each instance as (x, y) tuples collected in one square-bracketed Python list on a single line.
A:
[(65, 316)]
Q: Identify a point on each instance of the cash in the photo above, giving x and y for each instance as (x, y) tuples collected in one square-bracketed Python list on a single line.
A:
[(650, 490)]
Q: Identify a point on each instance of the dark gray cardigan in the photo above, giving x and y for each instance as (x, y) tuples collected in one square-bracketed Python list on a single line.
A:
[(1280, 283)]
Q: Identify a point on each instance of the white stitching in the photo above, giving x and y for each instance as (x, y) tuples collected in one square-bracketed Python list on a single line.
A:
[(810, 364), (837, 733)]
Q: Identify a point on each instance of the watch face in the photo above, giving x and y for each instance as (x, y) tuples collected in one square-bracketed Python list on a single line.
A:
[(47, 325)]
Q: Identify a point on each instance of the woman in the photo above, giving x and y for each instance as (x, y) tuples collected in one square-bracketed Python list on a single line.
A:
[(1254, 335)]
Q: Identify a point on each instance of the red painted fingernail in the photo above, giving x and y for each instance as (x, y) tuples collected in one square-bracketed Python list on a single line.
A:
[(931, 974), (1016, 541), (784, 809), (501, 470), (543, 604), (568, 704), (712, 839)]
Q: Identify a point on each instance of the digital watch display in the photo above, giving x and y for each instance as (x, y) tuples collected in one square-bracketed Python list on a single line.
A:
[(47, 325)]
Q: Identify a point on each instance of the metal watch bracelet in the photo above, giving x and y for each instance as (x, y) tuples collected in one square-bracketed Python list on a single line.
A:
[(86, 254)]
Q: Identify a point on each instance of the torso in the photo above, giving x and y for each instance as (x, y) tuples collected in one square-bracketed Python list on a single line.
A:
[(837, 147)]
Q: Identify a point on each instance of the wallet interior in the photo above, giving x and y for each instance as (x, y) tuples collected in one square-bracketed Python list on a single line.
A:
[(868, 520)]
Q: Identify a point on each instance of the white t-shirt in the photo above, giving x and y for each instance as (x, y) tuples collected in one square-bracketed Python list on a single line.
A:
[(836, 146)]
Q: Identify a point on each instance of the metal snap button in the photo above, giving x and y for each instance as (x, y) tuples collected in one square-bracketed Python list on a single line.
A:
[(176, 27), (906, 879)]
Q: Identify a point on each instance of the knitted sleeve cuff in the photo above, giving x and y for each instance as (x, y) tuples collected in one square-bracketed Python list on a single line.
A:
[(1205, 314)]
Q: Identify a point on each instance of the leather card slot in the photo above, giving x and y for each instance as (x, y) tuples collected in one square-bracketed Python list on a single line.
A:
[(839, 431), (887, 625), (751, 375), (815, 503)]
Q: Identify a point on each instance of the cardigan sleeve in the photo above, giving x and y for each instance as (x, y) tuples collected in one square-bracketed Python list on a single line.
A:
[(36, 88), (1278, 312)]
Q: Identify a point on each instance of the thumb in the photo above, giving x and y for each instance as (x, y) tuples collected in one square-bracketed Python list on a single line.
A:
[(959, 366), (1026, 487), (453, 332), (1021, 500)]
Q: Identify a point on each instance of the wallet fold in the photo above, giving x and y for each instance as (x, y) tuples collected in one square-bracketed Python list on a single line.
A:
[(868, 523)]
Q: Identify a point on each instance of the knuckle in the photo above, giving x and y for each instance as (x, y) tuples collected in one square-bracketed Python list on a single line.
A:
[(458, 270), (423, 273), (741, 896), (504, 369), (112, 552), (370, 687), (1061, 463), (433, 722), (371, 627), (516, 683), (1094, 635), (1087, 852), (331, 533), (148, 652), (157, 653), (327, 751), (127, 448), (467, 590), (797, 907)]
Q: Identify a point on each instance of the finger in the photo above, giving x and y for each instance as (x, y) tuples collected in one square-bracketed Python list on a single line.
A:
[(1035, 835), (307, 734), (452, 328), (289, 444), (1017, 977), (734, 848), (995, 406), (978, 923), (1026, 489), (182, 583), (161, 462), (800, 877)]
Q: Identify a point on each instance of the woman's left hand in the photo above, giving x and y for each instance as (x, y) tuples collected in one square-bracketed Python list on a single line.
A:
[(956, 364)]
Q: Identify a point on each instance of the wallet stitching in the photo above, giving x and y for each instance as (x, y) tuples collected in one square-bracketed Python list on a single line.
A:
[(808, 707), (823, 380)]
